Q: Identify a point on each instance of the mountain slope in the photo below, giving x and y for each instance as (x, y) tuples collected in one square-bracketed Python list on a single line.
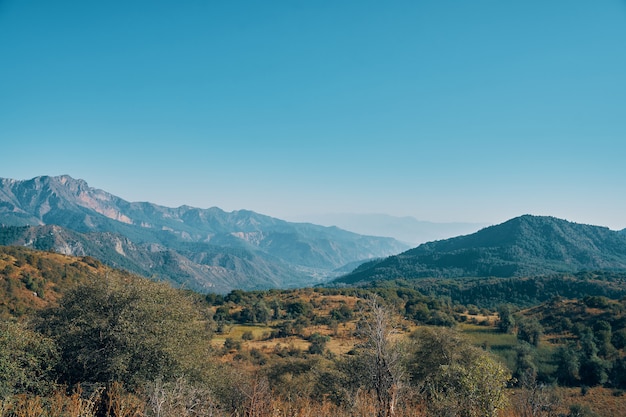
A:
[(33, 280), (523, 246), (201, 267), (241, 249)]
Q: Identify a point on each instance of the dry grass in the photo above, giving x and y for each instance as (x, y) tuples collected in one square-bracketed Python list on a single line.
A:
[(603, 401)]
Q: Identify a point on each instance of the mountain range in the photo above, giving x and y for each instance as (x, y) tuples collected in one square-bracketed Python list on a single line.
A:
[(202, 249), (211, 250), (523, 246)]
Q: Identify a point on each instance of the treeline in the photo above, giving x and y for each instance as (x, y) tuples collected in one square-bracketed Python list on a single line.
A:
[(311, 306), (520, 291)]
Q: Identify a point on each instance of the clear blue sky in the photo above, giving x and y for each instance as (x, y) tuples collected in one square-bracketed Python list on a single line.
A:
[(442, 110)]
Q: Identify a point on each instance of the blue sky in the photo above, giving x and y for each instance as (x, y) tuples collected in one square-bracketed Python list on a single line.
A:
[(474, 111)]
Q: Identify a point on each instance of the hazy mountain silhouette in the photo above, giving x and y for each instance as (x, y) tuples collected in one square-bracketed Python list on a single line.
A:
[(405, 229)]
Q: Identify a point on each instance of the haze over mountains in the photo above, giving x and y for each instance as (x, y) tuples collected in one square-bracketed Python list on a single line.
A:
[(405, 229), (203, 249)]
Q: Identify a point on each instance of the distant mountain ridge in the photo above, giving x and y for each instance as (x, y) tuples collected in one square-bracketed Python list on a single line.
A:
[(405, 229), (244, 249), (523, 246)]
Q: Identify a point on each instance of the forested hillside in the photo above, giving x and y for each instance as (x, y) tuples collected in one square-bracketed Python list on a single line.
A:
[(522, 291), (523, 246)]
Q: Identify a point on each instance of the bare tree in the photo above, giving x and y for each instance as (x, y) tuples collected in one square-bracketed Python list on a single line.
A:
[(179, 398), (535, 399), (384, 355), (258, 397)]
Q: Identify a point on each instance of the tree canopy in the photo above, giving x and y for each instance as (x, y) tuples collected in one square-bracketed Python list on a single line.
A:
[(126, 328)]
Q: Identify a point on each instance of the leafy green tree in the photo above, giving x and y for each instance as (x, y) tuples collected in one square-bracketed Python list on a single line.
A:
[(255, 311), (529, 330), (214, 299), (568, 365), (594, 371), (456, 377), (236, 296), (246, 315), (222, 314), (318, 343), (127, 329), (618, 340), (618, 373), (524, 361), (342, 314), (27, 361), (298, 309), (596, 301), (479, 387), (262, 312), (417, 311), (603, 335), (506, 322), (276, 307)]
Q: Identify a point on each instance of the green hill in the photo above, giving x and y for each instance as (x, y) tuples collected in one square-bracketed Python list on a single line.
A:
[(523, 246)]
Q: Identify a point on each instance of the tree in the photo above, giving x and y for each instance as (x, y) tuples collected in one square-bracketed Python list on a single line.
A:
[(262, 312), (506, 323), (593, 370), (180, 398), (456, 377), (342, 314), (534, 399), (298, 309), (618, 373), (27, 361), (524, 361), (318, 343), (529, 330), (128, 329), (603, 335), (567, 365), (383, 357)]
